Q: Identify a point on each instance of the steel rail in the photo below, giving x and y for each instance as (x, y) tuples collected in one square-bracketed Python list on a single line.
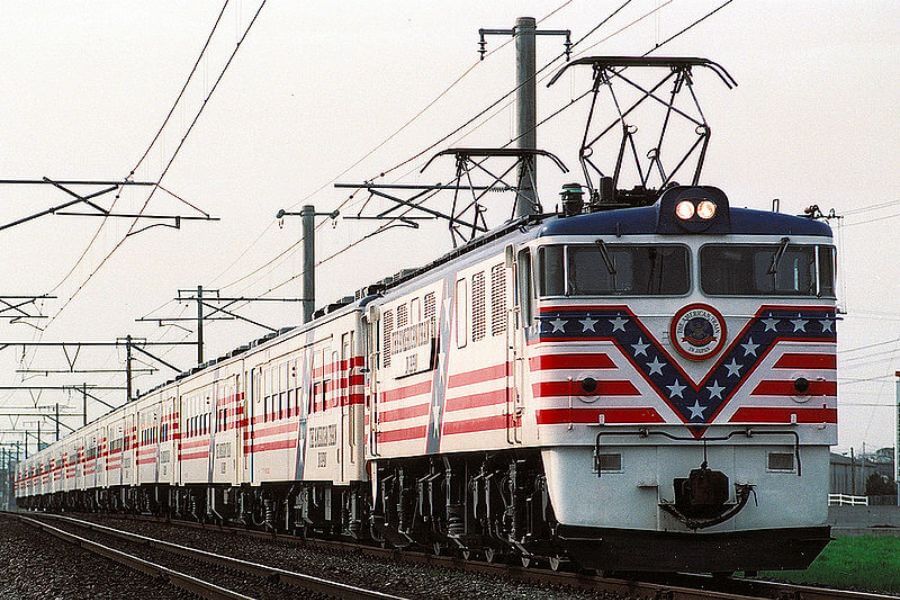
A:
[(681, 586), (189, 583), (294, 579)]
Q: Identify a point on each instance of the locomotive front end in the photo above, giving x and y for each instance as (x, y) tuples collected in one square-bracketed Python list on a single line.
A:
[(681, 370)]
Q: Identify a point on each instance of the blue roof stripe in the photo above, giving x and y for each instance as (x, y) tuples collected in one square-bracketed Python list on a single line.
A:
[(635, 221)]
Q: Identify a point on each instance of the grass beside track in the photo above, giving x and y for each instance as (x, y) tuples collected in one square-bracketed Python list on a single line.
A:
[(866, 563)]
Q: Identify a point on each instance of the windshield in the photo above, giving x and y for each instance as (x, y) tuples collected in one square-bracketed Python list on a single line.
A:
[(767, 269), (613, 270)]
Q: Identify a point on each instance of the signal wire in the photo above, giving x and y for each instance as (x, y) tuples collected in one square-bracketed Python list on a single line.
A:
[(494, 104), (147, 151), (377, 147), (168, 164)]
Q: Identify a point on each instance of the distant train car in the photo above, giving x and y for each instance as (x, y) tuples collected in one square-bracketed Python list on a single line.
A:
[(630, 389)]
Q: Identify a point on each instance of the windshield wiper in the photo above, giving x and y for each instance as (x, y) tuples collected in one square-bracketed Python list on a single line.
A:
[(779, 254), (607, 260)]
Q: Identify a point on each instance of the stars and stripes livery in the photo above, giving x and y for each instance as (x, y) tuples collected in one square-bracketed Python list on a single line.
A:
[(698, 402)]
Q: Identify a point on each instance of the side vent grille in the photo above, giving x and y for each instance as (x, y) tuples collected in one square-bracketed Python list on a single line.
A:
[(498, 299)]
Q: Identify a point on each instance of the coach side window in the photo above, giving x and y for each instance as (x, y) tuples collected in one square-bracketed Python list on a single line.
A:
[(524, 289), (462, 313)]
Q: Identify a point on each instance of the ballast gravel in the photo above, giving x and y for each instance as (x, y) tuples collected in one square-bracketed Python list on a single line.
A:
[(404, 579), (37, 565)]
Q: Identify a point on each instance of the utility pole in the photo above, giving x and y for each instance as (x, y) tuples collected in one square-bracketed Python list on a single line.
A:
[(308, 216), (852, 473), (199, 324), (524, 33), (897, 441), (57, 421), (128, 368), (84, 396)]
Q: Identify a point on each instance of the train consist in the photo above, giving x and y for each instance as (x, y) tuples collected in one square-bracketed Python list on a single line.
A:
[(629, 388)]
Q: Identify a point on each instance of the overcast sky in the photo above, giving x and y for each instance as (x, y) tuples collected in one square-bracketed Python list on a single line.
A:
[(314, 89)]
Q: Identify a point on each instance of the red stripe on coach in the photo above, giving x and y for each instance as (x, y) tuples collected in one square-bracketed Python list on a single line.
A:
[(399, 414), (479, 375), (571, 361), (399, 435), (786, 388), (557, 416), (573, 388), (476, 400), (475, 425), (806, 361), (766, 414), (408, 391)]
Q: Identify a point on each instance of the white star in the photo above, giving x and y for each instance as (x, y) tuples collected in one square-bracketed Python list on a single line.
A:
[(588, 324), (826, 325), (799, 323), (696, 410), (558, 325), (734, 368), (750, 347), (656, 366), (675, 389), (771, 324), (715, 390), (640, 347), (618, 324)]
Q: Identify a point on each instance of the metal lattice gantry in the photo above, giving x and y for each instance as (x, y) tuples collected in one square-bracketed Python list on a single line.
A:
[(90, 207), (21, 308), (608, 76), (479, 172)]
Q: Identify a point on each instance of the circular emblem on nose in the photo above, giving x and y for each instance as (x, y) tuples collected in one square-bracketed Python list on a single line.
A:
[(697, 331)]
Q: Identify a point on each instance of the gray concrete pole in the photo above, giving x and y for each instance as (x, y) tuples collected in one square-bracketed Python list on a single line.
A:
[(526, 113), (199, 324), (897, 440), (308, 292)]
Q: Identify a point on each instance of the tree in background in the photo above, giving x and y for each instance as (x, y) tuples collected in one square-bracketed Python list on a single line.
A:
[(878, 485)]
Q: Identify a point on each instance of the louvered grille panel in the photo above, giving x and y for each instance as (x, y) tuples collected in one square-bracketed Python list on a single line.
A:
[(498, 299), (402, 316), (386, 342), (479, 314), (430, 311)]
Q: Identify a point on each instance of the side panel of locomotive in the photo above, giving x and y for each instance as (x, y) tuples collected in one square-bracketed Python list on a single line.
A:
[(444, 365)]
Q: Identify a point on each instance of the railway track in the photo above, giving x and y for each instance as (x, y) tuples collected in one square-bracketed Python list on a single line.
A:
[(675, 587), (199, 586)]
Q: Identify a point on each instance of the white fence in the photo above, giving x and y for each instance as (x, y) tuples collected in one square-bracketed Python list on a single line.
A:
[(846, 500)]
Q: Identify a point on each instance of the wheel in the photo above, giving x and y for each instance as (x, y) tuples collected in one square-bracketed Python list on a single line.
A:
[(526, 560), (555, 563), (467, 554), (490, 555), (437, 548)]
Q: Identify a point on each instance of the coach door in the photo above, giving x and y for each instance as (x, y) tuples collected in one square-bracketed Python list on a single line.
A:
[(520, 318)]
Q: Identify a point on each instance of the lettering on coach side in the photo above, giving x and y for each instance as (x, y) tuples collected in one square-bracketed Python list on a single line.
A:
[(413, 348), (324, 435)]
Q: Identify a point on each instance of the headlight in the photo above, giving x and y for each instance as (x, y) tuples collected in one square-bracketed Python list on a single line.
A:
[(684, 210), (706, 209)]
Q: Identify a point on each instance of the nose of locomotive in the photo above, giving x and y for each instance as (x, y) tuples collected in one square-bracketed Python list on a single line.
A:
[(693, 209)]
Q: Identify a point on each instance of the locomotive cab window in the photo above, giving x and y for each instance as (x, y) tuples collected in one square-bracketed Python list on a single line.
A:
[(614, 270), (767, 269)]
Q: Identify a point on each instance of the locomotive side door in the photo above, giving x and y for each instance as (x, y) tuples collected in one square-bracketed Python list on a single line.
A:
[(521, 317)]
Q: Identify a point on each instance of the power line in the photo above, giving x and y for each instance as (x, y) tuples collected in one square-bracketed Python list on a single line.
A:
[(492, 105), (147, 151), (374, 149), (169, 163)]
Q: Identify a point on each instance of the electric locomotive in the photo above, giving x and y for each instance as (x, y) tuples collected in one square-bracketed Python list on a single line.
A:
[(643, 380)]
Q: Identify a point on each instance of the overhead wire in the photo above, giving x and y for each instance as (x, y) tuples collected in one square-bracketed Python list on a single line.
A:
[(492, 105), (365, 156), (168, 165), (146, 152)]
